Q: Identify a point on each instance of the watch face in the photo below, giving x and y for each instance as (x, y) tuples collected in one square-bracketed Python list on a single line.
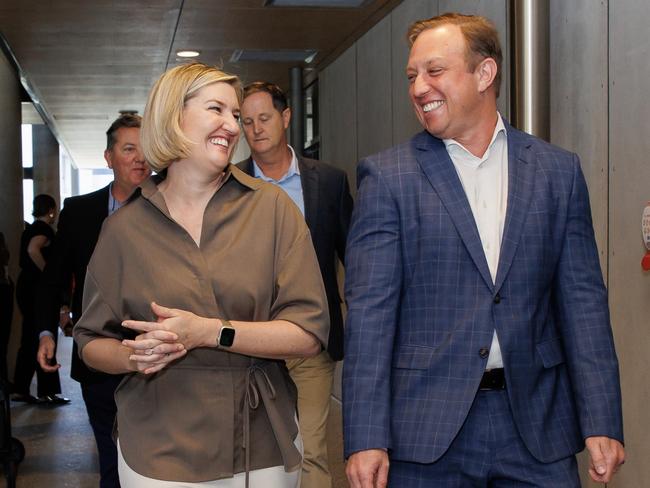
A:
[(227, 336)]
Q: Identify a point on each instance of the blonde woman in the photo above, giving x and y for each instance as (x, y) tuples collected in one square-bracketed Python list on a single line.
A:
[(199, 288)]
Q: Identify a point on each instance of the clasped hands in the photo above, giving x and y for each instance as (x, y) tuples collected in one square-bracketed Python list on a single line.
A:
[(167, 339)]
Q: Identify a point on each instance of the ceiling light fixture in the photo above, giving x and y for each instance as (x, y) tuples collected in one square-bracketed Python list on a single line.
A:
[(187, 54)]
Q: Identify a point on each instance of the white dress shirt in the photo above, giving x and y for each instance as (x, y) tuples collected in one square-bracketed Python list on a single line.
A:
[(485, 181)]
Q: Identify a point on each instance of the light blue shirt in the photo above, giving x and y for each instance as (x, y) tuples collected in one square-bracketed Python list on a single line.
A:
[(113, 204), (290, 182)]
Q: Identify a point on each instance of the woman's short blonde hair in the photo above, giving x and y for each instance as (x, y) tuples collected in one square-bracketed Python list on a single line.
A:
[(163, 140)]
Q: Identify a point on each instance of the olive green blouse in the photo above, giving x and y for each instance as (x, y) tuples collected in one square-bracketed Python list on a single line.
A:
[(193, 420)]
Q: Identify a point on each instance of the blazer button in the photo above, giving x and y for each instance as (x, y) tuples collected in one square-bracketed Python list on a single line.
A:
[(484, 352), (497, 298)]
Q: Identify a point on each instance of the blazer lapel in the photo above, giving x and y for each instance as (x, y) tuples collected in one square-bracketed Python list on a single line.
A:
[(100, 204), (247, 166), (439, 170), (521, 177), (310, 187)]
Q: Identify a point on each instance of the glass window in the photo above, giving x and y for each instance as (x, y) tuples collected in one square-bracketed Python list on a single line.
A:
[(310, 103)]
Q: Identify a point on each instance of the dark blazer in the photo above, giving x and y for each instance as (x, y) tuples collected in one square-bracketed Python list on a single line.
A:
[(422, 306), (78, 230), (328, 205)]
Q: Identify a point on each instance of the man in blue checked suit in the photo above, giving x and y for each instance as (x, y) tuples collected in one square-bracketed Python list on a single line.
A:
[(478, 345)]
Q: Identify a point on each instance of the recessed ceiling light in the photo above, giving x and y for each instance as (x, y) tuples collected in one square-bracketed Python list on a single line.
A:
[(187, 54)]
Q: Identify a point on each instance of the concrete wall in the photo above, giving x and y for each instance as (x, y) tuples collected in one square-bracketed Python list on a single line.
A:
[(364, 105), (337, 111), (578, 73), (599, 109), (579, 97), (629, 190)]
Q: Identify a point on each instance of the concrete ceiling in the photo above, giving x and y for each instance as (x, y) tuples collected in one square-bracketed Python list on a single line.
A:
[(85, 60)]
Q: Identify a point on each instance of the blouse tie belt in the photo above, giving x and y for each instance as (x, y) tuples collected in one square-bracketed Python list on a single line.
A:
[(259, 387)]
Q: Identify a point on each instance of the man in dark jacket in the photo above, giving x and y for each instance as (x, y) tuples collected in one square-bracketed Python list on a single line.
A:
[(322, 194), (79, 225)]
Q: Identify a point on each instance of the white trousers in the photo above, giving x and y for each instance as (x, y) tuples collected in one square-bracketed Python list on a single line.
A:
[(273, 477)]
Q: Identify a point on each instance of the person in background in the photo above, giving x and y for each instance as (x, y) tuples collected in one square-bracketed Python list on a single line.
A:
[(221, 284), (78, 230), (35, 247), (6, 307), (322, 194)]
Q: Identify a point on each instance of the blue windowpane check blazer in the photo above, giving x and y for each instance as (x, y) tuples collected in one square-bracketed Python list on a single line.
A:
[(422, 305)]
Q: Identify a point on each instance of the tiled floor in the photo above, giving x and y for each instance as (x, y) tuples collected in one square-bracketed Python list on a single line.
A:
[(59, 445), (60, 449)]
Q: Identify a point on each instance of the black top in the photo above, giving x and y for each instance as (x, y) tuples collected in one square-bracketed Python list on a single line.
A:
[(38, 228), (80, 222)]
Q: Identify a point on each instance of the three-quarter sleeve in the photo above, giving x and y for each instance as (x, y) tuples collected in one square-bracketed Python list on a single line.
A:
[(98, 318), (101, 295), (299, 295)]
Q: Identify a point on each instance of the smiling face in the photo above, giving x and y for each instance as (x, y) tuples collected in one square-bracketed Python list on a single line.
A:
[(264, 126), (125, 158), (211, 121), (448, 98)]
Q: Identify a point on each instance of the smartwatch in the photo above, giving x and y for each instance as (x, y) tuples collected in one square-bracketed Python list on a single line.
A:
[(226, 334)]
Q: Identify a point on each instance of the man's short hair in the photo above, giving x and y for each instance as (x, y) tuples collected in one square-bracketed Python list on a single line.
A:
[(277, 95), (163, 140), (480, 34), (123, 121)]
